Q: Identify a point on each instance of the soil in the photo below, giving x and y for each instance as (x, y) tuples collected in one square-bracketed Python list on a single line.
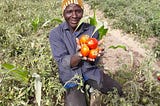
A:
[(114, 59)]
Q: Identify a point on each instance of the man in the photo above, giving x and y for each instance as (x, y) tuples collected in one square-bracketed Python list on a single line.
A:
[(64, 43)]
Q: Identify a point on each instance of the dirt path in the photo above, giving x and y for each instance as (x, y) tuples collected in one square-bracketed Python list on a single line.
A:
[(117, 58)]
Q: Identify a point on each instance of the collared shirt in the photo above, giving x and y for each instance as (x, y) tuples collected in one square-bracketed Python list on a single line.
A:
[(63, 46)]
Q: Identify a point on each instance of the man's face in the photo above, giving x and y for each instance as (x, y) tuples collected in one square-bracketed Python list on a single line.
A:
[(72, 14)]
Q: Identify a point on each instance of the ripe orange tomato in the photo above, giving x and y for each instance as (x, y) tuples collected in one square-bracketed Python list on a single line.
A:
[(92, 43), (83, 39), (84, 50), (93, 53)]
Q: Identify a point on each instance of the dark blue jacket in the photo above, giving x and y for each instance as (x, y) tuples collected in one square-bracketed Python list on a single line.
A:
[(63, 46)]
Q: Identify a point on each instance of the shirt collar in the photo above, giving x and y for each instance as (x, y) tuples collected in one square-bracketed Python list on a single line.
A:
[(65, 26)]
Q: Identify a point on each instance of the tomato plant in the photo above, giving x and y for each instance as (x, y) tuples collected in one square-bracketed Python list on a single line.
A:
[(92, 43), (85, 50)]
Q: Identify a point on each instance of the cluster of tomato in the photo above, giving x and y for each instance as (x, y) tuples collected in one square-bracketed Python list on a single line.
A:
[(89, 46)]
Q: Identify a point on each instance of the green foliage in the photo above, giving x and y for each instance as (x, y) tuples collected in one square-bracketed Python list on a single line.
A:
[(24, 50), (99, 25), (35, 23), (140, 17), (15, 73), (24, 45), (118, 46), (139, 86)]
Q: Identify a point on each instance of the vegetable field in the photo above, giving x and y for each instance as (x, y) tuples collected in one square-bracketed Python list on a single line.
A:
[(28, 74)]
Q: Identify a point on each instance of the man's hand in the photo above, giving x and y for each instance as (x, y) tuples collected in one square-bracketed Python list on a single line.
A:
[(100, 52), (79, 49)]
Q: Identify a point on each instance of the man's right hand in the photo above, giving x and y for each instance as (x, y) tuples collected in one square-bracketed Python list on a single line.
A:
[(100, 52)]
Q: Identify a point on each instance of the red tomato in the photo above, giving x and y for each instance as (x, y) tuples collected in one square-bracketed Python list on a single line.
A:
[(158, 78), (92, 43), (83, 39), (93, 53), (85, 50)]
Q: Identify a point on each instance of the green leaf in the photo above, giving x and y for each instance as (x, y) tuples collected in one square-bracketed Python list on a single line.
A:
[(20, 75), (93, 21), (35, 23), (17, 73), (102, 32), (57, 19), (49, 21), (118, 46), (98, 26), (8, 66)]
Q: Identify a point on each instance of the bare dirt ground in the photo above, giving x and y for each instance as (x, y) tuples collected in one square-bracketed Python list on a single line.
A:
[(114, 59)]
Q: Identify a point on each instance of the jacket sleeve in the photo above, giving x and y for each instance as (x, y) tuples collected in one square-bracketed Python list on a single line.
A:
[(59, 50)]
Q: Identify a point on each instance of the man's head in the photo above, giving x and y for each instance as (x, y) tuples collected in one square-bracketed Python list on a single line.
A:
[(72, 12), (65, 3)]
